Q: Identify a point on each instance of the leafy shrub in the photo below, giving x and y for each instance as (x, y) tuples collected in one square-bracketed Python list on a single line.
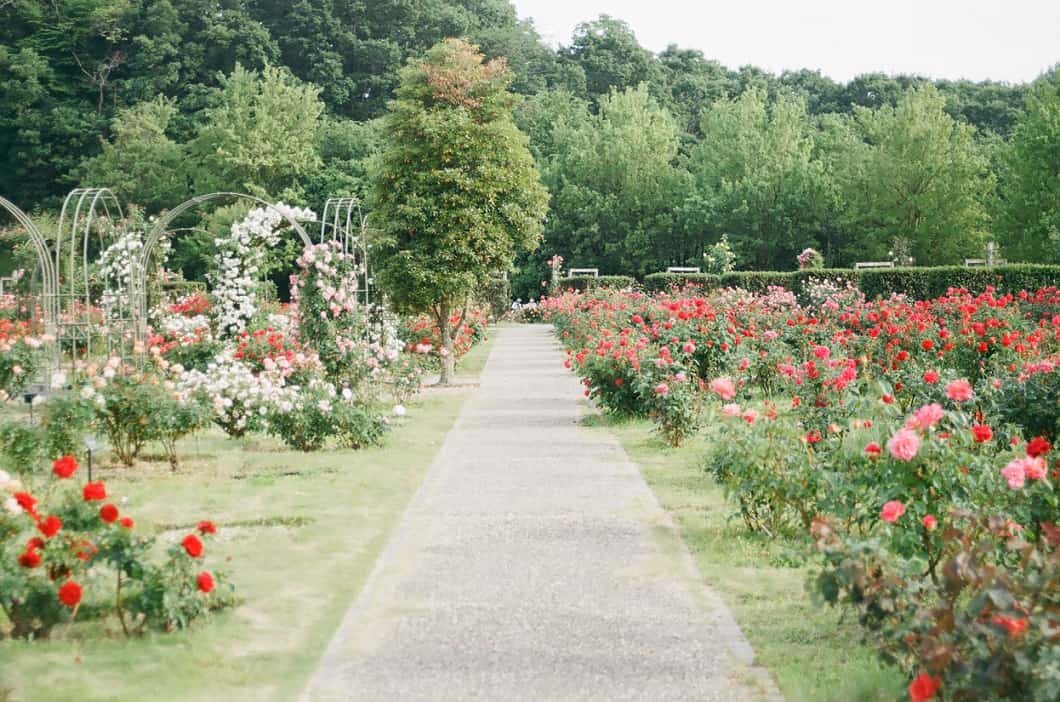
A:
[(357, 426), (65, 421), (986, 629), (585, 282)]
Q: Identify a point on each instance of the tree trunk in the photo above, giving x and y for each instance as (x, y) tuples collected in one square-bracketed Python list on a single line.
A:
[(447, 354)]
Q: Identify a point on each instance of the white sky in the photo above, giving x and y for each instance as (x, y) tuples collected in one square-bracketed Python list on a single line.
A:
[(977, 39)]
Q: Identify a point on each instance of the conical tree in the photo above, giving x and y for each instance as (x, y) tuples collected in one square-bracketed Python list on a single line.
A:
[(457, 194)]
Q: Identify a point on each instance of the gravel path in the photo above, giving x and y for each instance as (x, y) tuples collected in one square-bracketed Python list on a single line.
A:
[(534, 563)]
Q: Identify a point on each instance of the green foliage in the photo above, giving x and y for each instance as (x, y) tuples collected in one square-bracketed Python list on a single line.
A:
[(610, 56), (921, 283), (587, 282), (261, 137), (917, 174), (1030, 184), (757, 179), (141, 163), (65, 421), (614, 184)]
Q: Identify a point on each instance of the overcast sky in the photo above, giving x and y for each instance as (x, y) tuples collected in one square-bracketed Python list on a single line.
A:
[(1013, 40)]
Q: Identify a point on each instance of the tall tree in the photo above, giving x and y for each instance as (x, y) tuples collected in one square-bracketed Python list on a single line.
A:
[(612, 58), (1030, 186), (457, 194), (757, 179), (262, 137), (919, 177), (141, 163), (615, 185)]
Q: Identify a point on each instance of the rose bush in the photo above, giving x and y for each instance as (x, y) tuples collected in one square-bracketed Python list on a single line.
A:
[(64, 546)]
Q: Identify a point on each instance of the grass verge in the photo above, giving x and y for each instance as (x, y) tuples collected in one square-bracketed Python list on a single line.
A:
[(301, 533), (814, 655)]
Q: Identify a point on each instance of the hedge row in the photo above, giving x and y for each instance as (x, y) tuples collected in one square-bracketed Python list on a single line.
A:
[(921, 283), (588, 282)]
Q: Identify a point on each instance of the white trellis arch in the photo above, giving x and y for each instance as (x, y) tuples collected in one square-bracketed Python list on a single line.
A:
[(343, 221), (161, 229)]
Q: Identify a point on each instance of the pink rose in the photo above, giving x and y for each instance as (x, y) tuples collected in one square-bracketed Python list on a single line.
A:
[(929, 522), (689, 347), (904, 444), (925, 417), (1034, 468), (1014, 474), (959, 390), (662, 389), (891, 511), (732, 409), (822, 352), (723, 387)]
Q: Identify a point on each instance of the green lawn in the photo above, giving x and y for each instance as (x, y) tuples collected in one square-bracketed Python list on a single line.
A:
[(300, 532), (812, 653)]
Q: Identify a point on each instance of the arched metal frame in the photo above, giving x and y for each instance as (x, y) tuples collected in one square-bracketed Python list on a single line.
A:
[(349, 226), (84, 212), (49, 276), (161, 229)]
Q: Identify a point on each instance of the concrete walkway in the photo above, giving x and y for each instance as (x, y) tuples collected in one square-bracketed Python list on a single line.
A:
[(535, 564)]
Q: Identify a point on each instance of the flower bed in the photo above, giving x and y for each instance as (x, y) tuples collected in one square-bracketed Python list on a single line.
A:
[(913, 438)]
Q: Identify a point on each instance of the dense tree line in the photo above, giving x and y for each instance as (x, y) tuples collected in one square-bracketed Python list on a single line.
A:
[(649, 158)]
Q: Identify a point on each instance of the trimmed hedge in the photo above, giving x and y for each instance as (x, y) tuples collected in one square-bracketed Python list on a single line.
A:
[(588, 282), (921, 283)]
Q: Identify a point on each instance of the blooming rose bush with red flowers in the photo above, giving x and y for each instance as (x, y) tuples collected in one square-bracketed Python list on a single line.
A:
[(62, 544)]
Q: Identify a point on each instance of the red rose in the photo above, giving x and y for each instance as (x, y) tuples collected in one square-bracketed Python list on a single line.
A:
[(891, 511), (982, 433), (95, 491), (887, 398), (30, 558), (924, 687), (127, 522), (64, 466), (86, 550), (34, 543), (26, 501), (192, 545), (929, 522), (927, 344), (205, 581), (813, 436), (1014, 625), (70, 594), (1037, 446), (931, 377), (108, 513), (873, 449), (50, 525), (207, 527)]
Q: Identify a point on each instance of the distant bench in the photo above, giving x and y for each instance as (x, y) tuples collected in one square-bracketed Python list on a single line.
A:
[(969, 262), (594, 272), (679, 269), (874, 264)]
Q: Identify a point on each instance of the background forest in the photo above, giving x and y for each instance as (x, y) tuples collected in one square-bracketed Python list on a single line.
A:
[(649, 158)]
